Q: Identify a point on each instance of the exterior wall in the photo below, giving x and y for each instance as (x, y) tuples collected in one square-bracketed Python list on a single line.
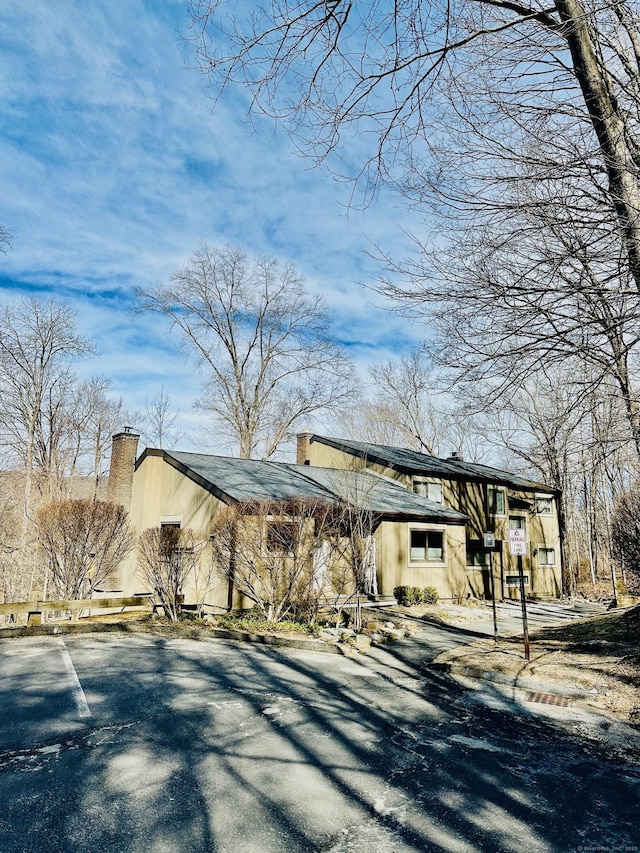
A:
[(322, 456), (396, 569), (162, 494)]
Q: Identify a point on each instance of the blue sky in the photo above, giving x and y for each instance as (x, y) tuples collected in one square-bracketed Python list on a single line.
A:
[(114, 170)]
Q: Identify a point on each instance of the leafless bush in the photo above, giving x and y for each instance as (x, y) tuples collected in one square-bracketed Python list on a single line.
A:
[(82, 543), (284, 556), (166, 558)]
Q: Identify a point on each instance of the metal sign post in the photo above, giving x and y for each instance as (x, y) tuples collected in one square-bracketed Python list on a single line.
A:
[(490, 544), (518, 547)]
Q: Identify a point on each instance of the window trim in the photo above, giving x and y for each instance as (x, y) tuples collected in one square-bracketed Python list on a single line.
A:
[(548, 498), (495, 490), (427, 561), (546, 548), (420, 482)]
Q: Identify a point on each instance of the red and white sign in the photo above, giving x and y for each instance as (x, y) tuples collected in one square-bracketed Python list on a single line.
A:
[(517, 542)]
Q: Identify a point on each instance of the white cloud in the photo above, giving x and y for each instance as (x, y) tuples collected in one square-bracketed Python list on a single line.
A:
[(114, 169)]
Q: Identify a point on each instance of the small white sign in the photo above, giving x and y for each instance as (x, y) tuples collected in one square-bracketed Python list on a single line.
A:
[(517, 542)]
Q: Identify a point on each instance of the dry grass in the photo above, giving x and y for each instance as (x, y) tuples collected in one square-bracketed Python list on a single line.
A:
[(598, 656)]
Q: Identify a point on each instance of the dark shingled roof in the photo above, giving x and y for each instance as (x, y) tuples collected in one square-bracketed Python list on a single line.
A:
[(412, 462), (248, 479)]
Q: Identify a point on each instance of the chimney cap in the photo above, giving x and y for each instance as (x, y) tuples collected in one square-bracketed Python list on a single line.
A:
[(127, 430), (455, 456)]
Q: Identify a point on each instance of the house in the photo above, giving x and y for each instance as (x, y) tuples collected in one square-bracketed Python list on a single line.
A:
[(492, 500), (173, 488)]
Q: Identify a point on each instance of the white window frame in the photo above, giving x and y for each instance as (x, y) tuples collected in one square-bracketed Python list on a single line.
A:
[(547, 499)]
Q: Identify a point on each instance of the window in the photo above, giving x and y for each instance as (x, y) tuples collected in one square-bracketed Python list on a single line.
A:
[(544, 506), (432, 491), (427, 545), (479, 558), (546, 556), (514, 580), (496, 501), (516, 522), (281, 536)]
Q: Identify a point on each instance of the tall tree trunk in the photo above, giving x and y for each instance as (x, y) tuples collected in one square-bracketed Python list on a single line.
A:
[(610, 127)]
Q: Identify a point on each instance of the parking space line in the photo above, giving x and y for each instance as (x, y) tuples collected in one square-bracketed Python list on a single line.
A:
[(76, 688)]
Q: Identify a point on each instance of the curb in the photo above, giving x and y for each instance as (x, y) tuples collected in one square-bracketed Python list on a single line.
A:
[(183, 631), (275, 640), (479, 674)]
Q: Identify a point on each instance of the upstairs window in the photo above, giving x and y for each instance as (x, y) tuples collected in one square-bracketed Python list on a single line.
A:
[(544, 505), (432, 491), (497, 502)]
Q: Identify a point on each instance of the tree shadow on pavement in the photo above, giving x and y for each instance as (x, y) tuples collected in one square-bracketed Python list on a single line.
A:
[(207, 746)]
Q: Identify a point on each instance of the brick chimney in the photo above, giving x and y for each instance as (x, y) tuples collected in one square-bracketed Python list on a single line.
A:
[(124, 446), (302, 451)]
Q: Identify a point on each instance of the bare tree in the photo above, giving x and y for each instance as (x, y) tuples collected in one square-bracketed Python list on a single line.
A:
[(167, 556), (37, 340), (14, 581), (82, 543), (578, 441), (387, 68), (404, 387), (98, 416), (263, 343), (518, 122), (626, 536), (540, 284), (6, 239), (158, 421)]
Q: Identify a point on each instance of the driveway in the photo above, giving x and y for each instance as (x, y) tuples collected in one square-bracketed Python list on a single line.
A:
[(144, 744)]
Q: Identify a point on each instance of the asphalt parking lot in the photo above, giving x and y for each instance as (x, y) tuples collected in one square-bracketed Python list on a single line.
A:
[(140, 743)]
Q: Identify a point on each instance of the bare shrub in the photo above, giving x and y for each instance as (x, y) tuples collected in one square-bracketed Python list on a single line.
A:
[(82, 543), (166, 557)]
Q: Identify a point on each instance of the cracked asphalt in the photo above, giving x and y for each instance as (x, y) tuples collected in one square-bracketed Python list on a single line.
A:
[(145, 744)]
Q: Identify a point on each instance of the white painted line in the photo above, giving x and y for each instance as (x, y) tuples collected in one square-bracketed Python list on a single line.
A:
[(76, 688)]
